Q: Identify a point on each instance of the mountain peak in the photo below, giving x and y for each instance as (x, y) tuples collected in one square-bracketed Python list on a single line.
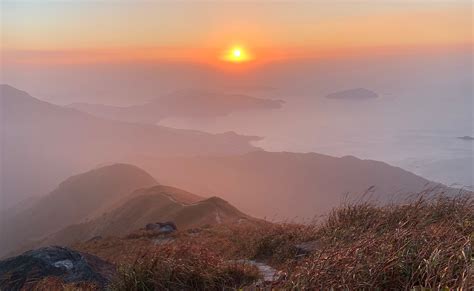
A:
[(117, 172), (77, 199)]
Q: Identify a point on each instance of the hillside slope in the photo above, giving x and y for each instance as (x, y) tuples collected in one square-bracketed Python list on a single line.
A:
[(76, 199), (43, 144), (155, 204), (425, 244), (287, 185)]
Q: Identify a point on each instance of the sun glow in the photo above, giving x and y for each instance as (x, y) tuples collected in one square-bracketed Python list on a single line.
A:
[(237, 54)]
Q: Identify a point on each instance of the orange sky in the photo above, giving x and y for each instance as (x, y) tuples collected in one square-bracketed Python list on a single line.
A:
[(85, 31)]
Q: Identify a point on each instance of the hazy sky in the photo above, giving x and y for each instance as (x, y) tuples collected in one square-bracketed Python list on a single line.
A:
[(88, 30)]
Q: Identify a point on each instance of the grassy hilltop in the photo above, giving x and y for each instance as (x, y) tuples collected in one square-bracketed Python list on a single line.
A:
[(423, 244)]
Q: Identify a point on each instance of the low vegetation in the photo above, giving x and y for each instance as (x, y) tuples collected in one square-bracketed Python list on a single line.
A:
[(52, 283), (423, 244), (184, 266)]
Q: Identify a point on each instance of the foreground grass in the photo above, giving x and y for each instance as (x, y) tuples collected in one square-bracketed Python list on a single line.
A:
[(184, 267), (426, 244), (423, 244)]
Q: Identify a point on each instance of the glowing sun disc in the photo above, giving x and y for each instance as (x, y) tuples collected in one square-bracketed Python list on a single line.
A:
[(236, 54)]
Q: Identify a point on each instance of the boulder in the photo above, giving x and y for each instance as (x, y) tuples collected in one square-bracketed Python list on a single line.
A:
[(67, 265), (162, 227)]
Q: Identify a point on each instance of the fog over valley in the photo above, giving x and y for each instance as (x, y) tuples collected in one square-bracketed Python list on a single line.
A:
[(286, 105)]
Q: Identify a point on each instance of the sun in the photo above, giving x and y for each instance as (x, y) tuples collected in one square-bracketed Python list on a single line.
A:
[(236, 54)]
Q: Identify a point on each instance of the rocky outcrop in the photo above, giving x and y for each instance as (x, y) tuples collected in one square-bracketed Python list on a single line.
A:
[(162, 227), (69, 266)]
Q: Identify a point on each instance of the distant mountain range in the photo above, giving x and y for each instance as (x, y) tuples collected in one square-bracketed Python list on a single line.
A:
[(282, 185), (110, 201), (43, 143), (185, 103)]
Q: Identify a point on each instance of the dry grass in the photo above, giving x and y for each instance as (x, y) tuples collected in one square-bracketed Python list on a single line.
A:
[(55, 284), (184, 266), (423, 244)]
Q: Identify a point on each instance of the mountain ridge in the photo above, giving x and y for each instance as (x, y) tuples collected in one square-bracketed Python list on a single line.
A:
[(73, 201), (294, 184), (184, 103), (158, 203), (78, 141)]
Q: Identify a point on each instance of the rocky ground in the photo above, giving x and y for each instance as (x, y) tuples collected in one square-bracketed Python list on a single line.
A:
[(33, 268)]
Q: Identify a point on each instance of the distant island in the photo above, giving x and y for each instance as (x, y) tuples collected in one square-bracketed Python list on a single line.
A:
[(353, 94), (466, 137)]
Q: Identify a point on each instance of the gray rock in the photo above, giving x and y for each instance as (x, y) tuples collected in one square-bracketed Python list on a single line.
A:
[(66, 264), (162, 227)]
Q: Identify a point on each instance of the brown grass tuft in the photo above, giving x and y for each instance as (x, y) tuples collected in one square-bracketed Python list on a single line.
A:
[(424, 244), (184, 266)]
